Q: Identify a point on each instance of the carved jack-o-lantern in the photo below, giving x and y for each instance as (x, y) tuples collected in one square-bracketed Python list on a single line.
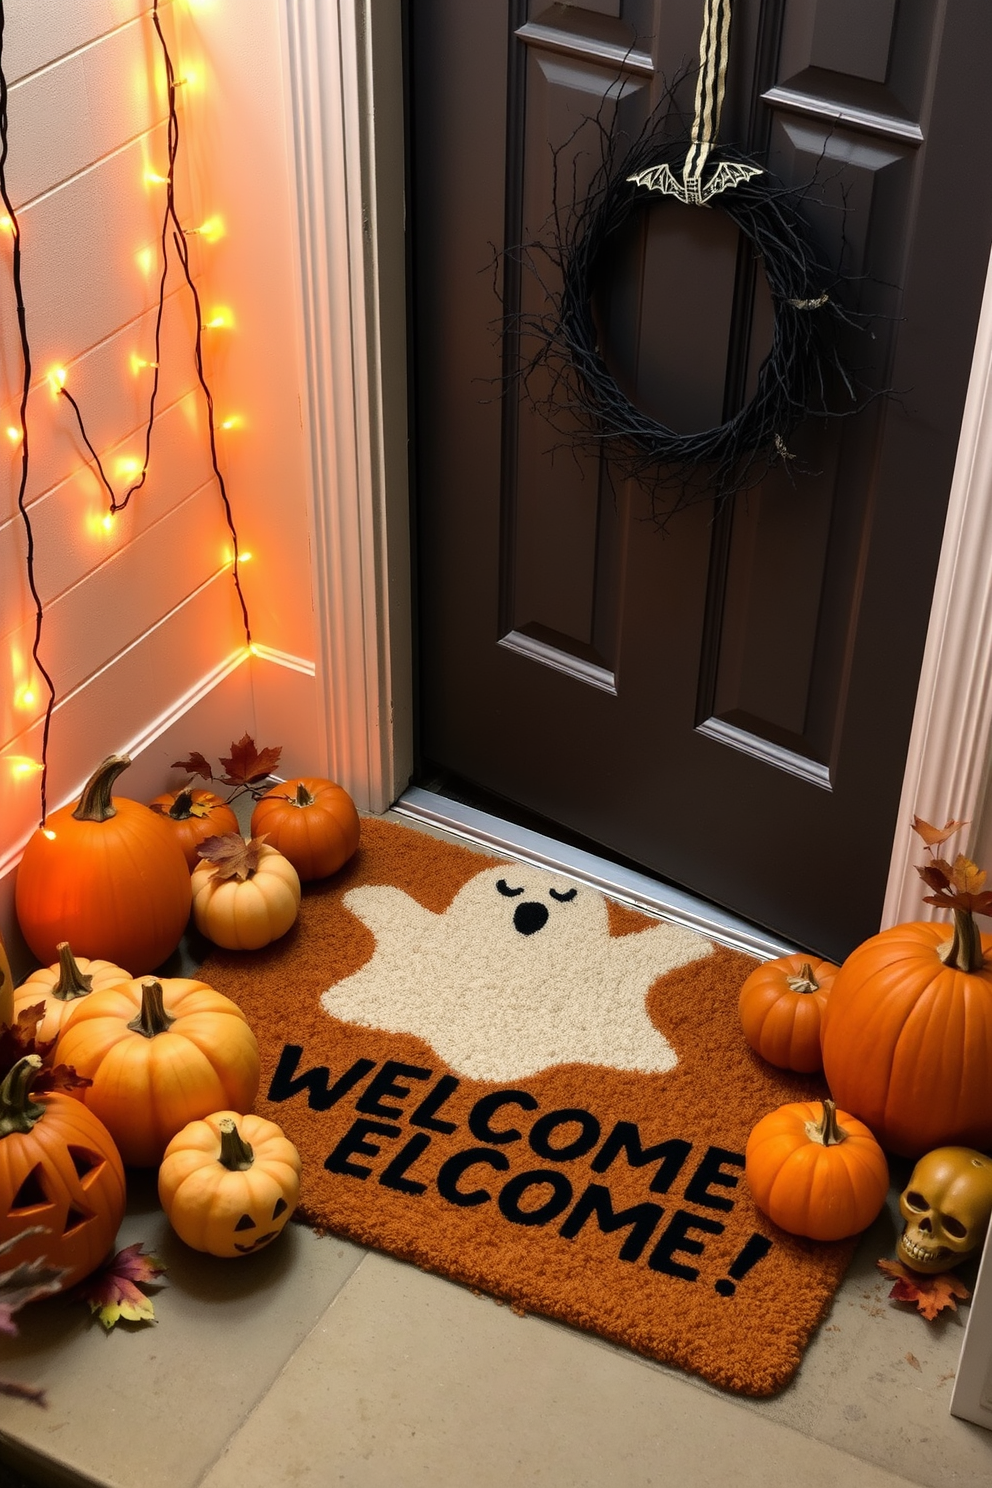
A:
[(229, 1191), (61, 1178), (947, 1205)]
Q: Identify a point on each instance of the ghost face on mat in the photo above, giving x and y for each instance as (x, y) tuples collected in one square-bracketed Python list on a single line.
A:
[(519, 973)]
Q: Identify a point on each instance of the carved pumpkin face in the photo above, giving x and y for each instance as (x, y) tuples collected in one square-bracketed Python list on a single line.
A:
[(64, 1177), (229, 1183)]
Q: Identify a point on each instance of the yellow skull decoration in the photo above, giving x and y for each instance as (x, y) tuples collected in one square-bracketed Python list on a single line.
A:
[(946, 1205)]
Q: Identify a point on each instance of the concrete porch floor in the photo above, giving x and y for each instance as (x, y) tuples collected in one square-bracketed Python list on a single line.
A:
[(318, 1362)]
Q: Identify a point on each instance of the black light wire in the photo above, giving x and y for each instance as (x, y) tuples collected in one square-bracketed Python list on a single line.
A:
[(172, 227), (23, 418)]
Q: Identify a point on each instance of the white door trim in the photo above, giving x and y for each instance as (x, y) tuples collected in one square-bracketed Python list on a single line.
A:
[(947, 763), (354, 423), (345, 98)]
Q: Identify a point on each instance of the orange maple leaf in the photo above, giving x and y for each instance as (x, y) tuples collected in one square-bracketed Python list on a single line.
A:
[(248, 764), (934, 836), (930, 1293)]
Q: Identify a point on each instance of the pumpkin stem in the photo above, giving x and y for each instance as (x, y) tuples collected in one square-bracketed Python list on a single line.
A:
[(964, 952), (18, 1113), (804, 981), (95, 804), (235, 1152), (72, 982), (826, 1131), (303, 796), (182, 807), (153, 1018)]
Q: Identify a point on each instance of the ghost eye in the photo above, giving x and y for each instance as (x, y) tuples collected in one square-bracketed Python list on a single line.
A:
[(565, 897), (504, 888), (916, 1201), (245, 1223), (954, 1227)]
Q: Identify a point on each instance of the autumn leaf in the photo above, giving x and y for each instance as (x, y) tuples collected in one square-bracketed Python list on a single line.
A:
[(59, 1077), (195, 765), (25, 1282), (930, 1293), (934, 836), (247, 765), (230, 855), (967, 877), (114, 1291)]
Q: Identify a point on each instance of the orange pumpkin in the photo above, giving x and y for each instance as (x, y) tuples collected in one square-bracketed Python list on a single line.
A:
[(106, 876), (311, 822), (907, 1035), (781, 1005), (61, 1178), (59, 989), (816, 1171), (6, 989), (193, 816), (228, 1184), (160, 1054)]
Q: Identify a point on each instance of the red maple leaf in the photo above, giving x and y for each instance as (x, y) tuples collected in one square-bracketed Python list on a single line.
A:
[(930, 1293), (247, 765)]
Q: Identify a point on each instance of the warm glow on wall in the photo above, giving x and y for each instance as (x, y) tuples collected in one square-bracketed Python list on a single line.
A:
[(210, 230), (138, 363), (25, 696), (56, 380), (221, 318), (21, 766), (233, 421), (14, 435), (145, 259)]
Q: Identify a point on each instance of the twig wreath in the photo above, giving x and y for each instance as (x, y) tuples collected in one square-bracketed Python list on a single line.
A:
[(803, 370)]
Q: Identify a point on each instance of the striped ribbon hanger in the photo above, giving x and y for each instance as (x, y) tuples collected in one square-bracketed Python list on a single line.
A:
[(692, 189)]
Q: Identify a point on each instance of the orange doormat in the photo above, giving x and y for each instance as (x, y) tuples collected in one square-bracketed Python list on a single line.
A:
[(558, 1110)]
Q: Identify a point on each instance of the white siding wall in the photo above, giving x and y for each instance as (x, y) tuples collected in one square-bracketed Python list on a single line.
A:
[(142, 631)]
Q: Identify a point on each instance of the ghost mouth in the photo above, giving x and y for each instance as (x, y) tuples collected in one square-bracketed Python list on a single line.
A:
[(530, 917)]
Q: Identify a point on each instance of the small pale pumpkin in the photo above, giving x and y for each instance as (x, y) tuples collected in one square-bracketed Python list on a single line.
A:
[(62, 986), (192, 817), (816, 1171), (61, 1178), (312, 822), (781, 1006), (245, 894), (229, 1183), (160, 1054)]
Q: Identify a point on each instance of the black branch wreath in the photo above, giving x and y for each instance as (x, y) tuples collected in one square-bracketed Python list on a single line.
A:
[(803, 374)]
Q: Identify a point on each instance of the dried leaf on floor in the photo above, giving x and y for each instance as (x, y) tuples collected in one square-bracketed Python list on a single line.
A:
[(931, 1294)]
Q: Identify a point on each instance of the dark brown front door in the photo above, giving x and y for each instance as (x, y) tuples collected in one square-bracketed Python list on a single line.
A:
[(727, 702)]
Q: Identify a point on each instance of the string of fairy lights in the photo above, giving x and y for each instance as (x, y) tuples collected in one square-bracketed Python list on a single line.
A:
[(175, 238)]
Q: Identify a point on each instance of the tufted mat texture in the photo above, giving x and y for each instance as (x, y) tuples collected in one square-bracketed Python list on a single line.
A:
[(502, 1077)]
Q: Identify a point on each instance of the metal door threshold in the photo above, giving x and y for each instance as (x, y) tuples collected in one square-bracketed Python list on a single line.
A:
[(624, 884)]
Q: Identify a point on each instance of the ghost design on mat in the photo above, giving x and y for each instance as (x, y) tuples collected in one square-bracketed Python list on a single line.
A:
[(519, 973)]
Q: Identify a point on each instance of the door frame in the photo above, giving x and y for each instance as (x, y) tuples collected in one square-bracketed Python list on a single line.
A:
[(344, 71)]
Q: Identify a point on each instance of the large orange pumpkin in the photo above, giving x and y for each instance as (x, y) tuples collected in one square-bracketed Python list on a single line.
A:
[(192, 817), (781, 1007), (61, 1178), (6, 989), (160, 1054), (311, 822), (816, 1171), (907, 1036), (107, 876)]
